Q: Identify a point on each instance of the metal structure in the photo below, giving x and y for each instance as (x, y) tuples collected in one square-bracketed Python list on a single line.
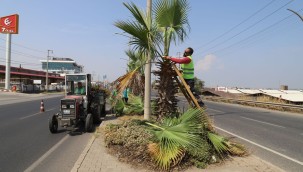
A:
[(87, 106)]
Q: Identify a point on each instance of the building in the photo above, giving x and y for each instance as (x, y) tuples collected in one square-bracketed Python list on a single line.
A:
[(21, 78), (62, 66)]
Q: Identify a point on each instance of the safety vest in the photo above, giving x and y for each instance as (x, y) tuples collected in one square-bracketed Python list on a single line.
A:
[(188, 69)]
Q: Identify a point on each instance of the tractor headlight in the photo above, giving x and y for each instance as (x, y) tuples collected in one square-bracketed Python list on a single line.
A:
[(64, 106)]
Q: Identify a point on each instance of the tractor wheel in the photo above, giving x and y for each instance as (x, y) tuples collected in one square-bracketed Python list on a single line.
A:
[(96, 115), (89, 123), (53, 124)]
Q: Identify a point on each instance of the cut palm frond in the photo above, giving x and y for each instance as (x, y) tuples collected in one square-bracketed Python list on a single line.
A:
[(119, 107), (135, 106), (219, 143), (166, 157), (175, 135), (123, 81)]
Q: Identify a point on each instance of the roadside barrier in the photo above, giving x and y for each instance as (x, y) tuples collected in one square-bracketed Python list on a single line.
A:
[(275, 106)]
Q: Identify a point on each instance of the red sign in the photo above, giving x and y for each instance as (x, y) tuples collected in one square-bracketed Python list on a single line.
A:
[(9, 24)]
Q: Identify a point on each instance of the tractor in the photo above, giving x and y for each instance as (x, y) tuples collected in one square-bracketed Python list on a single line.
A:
[(81, 104)]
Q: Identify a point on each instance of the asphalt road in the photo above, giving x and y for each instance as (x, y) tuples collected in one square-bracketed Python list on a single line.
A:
[(276, 137), (27, 144)]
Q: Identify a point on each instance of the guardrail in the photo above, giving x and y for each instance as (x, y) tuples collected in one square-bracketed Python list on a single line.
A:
[(275, 106)]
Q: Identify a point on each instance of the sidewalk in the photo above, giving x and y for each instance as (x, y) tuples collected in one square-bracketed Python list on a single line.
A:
[(95, 158)]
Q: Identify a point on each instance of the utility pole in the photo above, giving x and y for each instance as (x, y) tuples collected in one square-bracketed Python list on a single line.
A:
[(147, 94), (46, 82)]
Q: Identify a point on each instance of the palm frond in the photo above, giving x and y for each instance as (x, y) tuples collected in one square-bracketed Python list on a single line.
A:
[(176, 135), (166, 158), (172, 18), (123, 81), (119, 107), (224, 146), (138, 14), (138, 34), (219, 143), (135, 105)]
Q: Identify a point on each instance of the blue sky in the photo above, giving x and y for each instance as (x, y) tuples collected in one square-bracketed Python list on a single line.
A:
[(263, 51)]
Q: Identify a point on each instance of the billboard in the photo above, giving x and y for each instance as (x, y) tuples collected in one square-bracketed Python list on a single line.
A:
[(9, 24)]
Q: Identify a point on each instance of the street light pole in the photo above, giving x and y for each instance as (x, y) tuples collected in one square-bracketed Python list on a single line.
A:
[(46, 88), (301, 17)]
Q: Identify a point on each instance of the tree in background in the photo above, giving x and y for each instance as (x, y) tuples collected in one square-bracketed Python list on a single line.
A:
[(136, 60), (199, 85)]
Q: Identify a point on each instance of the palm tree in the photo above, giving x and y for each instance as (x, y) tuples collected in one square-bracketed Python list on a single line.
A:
[(172, 23), (136, 60), (142, 31)]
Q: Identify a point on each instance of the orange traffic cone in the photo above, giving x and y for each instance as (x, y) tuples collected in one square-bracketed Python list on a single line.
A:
[(42, 106)]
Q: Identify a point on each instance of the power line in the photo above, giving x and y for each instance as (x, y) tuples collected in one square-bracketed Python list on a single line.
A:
[(220, 36), (250, 26), (253, 35), (21, 53), (25, 47), (20, 62)]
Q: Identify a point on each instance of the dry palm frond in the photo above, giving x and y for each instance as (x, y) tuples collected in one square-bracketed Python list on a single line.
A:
[(136, 84), (123, 81), (237, 149), (224, 146)]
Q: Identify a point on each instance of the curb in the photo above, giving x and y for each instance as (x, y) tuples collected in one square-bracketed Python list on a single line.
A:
[(83, 155)]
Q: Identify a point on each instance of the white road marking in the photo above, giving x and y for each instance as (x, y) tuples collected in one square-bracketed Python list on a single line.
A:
[(36, 163), (215, 110), (35, 114), (263, 147), (263, 122)]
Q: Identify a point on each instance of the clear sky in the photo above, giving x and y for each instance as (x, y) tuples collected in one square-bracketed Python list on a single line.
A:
[(237, 43)]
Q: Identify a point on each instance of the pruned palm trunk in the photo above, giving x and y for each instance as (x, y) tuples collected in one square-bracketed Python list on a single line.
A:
[(167, 88)]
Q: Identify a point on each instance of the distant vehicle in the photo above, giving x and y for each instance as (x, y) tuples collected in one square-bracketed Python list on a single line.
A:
[(79, 104)]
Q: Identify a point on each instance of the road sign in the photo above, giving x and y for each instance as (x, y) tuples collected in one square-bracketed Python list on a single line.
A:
[(9, 24)]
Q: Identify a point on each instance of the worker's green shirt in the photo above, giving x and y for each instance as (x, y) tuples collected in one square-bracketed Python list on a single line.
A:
[(80, 90), (188, 69)]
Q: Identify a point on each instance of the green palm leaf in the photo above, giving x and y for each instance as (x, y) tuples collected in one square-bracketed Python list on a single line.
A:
[(177, 134), (219, 143), (172, 20)]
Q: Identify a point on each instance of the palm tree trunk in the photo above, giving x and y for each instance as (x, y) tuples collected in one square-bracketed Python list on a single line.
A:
[(167, 88)]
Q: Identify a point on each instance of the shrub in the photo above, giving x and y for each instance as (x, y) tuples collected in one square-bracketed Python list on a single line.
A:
[(129, 142)]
